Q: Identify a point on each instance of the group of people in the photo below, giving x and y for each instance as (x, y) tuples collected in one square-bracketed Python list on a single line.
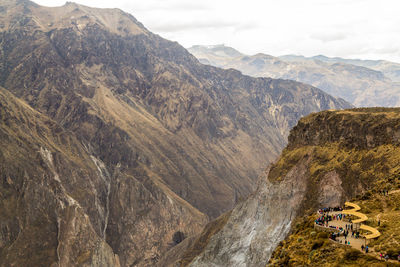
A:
[(354, 233), (325, 218), (366, 248)]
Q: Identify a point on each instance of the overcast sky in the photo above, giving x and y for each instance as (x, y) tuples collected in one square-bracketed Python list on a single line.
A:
[(367, 29)]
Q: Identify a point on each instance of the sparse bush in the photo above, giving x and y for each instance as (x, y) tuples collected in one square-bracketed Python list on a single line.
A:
[(317, 244), (366, 196), (393, 254), (322, 235), (352, 255)]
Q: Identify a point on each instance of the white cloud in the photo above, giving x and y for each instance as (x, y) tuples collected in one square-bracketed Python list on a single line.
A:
[(346, 28)]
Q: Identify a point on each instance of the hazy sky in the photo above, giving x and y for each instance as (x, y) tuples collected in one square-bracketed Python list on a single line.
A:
[(368, 29)]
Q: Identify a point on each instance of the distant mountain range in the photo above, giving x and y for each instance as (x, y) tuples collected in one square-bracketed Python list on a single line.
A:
[(361, 82)]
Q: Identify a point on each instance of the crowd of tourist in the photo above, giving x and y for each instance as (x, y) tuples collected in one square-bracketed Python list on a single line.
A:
[(325, 217)]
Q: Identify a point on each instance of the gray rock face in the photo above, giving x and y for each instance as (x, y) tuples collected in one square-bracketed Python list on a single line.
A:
[(258, 224)]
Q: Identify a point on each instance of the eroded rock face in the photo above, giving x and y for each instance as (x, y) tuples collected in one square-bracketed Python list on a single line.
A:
[(47, 220), (143, 220), (331, 193), (257, 225)]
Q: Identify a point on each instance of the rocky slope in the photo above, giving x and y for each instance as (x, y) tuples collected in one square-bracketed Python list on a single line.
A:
[(363, 83), (53, 193), (172, 142), (332, 156)]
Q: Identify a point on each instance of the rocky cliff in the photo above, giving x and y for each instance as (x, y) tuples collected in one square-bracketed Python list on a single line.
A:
[(332, 157), (53, 194), (169, 142), (362, 83)]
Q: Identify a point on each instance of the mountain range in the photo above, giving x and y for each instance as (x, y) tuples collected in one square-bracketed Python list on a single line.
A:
[(360, 82), (117, 143)]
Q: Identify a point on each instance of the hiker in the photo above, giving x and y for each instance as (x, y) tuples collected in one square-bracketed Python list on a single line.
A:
[(366, 249), (362, 247), (387, 257), (380, 255), (379, 222)]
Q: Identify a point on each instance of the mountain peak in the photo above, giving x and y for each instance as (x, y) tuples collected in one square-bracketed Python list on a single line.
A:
[(219, 50), (71, 15)]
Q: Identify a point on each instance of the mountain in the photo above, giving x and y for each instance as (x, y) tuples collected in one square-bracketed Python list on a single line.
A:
[(136, 144), (388, 68), (331, 157), (363, 83)]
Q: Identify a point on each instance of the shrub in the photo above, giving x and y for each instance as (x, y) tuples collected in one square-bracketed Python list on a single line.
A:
[(366, 196), (393, 254), (322, 235), (352, 255), (317, 244)]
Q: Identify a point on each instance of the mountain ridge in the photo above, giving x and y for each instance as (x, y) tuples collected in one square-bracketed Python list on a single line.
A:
[(362, 83)]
